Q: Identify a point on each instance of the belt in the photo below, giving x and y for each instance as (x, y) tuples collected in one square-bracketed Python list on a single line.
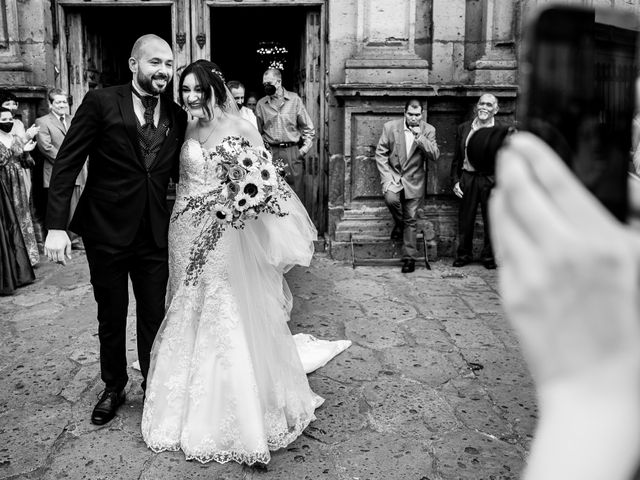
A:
[(284, 144)]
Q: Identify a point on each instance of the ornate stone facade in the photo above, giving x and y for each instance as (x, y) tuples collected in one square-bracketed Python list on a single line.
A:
[(370, 56)]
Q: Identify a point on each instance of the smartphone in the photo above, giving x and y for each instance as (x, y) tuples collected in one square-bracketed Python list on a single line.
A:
[(577, 92)]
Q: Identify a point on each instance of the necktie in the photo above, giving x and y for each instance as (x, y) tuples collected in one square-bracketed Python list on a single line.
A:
[(149, 108), (64, 124), (149, 103)]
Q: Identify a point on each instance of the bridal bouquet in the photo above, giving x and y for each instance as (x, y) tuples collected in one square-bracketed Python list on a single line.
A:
[(248, 184)]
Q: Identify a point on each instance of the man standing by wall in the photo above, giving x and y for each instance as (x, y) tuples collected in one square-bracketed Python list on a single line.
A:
[(286, 126), (473, 186), (53, 129), (404, 147)]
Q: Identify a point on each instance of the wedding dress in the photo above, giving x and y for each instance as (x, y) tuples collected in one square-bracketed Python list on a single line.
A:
[(226, 381)]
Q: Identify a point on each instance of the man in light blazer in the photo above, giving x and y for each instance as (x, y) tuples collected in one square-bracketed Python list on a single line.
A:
[(401, 155), (53, 129)]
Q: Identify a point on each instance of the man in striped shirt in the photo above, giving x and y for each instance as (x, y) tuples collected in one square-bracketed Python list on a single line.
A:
[(286, 126)]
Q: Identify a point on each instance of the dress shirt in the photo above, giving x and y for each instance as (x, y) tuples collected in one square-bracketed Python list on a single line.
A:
[(475, 126), (248, 114), (284, 119), (138, 107), (409, 138)]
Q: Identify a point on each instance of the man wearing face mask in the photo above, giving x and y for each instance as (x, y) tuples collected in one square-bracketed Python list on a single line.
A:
[(286, 126), (472, 185), (237, 90)]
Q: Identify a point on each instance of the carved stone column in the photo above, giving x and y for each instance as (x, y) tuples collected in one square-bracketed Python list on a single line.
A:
[(12, 70), (386, 44), (498, 64), (448, 42)]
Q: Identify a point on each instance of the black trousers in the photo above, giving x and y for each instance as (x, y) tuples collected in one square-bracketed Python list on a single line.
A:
[(110, 268), (404, 211), (294, 167), (476, 189)]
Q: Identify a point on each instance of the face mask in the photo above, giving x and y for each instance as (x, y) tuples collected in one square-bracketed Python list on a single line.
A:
[(269, 89), (6, 126)]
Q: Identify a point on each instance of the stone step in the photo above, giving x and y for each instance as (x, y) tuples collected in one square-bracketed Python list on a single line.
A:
[(376, 249)]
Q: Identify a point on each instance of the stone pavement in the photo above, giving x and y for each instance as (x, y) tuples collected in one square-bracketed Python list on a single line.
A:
[(433, 387)]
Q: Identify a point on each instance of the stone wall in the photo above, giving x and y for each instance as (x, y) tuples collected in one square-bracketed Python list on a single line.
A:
[(25, 64)]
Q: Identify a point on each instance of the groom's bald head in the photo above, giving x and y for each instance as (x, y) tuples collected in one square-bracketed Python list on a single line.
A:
[(145, 42)]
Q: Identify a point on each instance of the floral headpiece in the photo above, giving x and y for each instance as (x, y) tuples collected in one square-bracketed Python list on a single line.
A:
[(218, 73)]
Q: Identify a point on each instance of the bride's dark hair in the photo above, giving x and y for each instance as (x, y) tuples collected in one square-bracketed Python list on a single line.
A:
[(208, 76)]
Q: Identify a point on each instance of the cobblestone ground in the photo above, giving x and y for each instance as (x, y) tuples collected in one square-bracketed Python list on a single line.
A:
[(433, 387)]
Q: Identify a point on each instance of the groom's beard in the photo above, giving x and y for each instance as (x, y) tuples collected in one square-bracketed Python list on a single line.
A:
[(146, 83)]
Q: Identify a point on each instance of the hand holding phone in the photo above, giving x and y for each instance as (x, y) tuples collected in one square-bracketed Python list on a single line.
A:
[(578, 95)]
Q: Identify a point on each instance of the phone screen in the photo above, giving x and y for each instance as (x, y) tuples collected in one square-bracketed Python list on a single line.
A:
[(578, 94)]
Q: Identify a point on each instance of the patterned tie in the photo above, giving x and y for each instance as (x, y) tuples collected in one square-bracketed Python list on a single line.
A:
[(149, 109)]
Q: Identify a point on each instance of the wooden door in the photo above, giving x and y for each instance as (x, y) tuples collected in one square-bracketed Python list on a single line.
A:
[(84, 55), (310, 89), (74, 69)]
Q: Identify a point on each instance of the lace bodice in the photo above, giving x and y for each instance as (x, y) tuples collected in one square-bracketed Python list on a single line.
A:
[(197, 173)]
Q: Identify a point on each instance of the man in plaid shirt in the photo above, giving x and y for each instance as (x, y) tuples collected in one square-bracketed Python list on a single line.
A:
[(286, 126)]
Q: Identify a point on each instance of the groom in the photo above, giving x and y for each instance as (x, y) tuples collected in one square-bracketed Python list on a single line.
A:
[(132, 135)]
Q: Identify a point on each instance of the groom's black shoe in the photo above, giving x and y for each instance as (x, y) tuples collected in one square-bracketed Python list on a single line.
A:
[(107, 406), (408, 266)]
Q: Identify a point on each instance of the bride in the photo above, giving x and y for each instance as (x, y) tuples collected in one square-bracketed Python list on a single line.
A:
[(226, 380)]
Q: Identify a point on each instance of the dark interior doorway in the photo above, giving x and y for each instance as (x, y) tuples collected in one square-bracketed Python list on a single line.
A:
[(109, 34), (238, 33)]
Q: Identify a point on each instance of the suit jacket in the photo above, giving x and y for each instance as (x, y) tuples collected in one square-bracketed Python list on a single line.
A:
[(395, 166), (50, 138), (458, 157), (119, 188)]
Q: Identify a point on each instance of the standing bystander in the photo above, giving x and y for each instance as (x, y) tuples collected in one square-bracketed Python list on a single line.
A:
[(472, 185), (237, 90), (403, 149), (53, 129), (286, 126)]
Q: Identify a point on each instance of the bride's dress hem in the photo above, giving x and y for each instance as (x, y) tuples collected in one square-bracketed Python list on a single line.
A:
[(247, 458)]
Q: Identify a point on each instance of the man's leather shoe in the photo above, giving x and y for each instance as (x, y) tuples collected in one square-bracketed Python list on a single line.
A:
[(107, 406), (408, 266), (489, 264), (461, 261)]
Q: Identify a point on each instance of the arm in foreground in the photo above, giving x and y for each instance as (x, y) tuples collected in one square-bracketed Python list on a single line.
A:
[(569, 285)]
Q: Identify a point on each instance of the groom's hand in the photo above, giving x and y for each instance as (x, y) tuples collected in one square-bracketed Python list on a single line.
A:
[(57, 246)]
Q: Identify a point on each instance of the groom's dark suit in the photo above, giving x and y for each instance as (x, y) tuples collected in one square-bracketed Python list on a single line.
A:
[(122, 215)]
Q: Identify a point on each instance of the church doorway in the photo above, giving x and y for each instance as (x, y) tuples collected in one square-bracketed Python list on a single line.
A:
[(246, 40), (94, 41)]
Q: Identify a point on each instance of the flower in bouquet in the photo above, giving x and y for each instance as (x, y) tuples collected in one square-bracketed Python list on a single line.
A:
[(247, 159), (221, 171), (241, 202), (252, 186), (222, 213), (268, 174), (237, 173), (232, 190)]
